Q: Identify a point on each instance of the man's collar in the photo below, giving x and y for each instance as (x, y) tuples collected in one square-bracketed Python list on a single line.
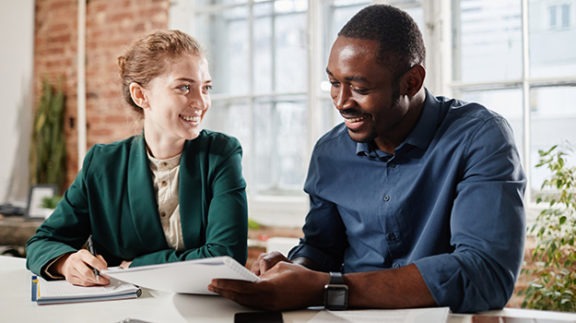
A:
[(420, 136)]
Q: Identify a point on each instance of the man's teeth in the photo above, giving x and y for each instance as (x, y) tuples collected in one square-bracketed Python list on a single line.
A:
[(358, 119)]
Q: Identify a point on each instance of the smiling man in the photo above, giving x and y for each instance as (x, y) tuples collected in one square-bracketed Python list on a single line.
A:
[(415, 200)]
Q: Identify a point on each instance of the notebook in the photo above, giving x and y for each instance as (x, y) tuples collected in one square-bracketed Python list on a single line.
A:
[(60, 291), (186, 277)]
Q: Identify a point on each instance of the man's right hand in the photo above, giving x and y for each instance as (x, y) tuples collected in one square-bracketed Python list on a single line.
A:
[(266, 261)]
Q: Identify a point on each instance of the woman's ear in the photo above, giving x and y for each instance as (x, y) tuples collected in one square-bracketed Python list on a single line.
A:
[(138, 95), (413, 80)]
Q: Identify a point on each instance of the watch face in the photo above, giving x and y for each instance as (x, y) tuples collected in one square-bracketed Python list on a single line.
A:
[(336, 297)]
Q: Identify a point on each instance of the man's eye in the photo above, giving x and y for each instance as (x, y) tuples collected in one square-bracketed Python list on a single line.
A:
[(335, 83), (360, 90)]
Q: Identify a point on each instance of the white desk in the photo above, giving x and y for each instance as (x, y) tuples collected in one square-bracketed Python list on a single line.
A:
[(157, 307)]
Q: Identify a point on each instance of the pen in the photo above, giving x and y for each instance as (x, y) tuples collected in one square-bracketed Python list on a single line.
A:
[(91, 249)]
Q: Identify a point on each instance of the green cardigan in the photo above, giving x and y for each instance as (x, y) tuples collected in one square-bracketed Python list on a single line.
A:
[(113, 199)]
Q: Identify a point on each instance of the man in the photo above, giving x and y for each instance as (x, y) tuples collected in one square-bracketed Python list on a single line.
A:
[(416, 199)]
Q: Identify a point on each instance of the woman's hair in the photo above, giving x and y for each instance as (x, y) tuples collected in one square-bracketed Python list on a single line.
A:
[(401, 43), (147, 58)]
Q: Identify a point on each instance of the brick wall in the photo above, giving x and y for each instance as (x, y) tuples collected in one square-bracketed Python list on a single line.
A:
[(111, 25)]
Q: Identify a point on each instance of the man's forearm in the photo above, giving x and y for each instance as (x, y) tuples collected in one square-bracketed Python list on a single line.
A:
[(391, 288)]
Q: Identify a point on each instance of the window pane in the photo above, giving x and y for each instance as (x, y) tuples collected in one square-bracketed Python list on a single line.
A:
[(280, 155), (488, 40), (232, 118), (280, 59), (339, 14), (506, 102), (552, 123), (552, 35), (263, 43), (225, 34), (290, 60)]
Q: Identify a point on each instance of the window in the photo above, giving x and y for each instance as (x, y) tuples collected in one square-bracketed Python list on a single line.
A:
[(526, 74), (559, 16), (267, 58)]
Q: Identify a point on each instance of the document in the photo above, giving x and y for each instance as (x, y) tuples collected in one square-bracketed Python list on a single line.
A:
[(60, 291), (186, 277)]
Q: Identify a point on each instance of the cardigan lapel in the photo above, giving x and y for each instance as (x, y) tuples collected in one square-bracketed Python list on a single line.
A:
[(141, 197)]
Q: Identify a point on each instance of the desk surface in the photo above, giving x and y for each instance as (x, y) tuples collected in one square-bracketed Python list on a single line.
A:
[(158, 307)]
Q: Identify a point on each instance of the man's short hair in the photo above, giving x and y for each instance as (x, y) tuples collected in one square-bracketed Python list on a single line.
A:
[(401, 43)]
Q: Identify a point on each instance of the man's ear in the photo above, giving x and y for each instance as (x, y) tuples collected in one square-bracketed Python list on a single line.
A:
[(138, 95), (413, 80)]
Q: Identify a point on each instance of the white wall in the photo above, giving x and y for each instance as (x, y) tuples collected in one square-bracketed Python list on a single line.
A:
[(16, 97)]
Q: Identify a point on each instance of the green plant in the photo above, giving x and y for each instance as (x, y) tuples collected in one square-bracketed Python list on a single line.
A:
[(253, 224), (51, 202), (48, 150), (554, 267)]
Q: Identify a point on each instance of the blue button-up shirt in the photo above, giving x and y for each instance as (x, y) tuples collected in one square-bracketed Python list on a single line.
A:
[(449, 200)]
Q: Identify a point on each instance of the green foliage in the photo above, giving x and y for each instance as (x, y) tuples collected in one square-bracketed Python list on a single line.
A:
[(51, 202), (554, 269), (253, 224), (48, 150)]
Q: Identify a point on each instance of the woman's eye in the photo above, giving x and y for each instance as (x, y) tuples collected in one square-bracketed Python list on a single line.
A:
[(207, 88), (184, 88)]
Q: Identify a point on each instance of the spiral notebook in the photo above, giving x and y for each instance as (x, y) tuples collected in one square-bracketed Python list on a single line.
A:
[(60, 291), (186, 277)]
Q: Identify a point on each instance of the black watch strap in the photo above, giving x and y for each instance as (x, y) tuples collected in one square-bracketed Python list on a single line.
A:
[(336, 278)]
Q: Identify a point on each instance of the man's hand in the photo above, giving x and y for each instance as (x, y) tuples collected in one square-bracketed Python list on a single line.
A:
[(265, 261), (285, 286), (78, 267)]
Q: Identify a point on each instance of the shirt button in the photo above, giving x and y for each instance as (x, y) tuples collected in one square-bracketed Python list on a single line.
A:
[(386, 197), (393, 165), (163, 214), (164, 164), (396, 265), (163, 183), (390, 236)]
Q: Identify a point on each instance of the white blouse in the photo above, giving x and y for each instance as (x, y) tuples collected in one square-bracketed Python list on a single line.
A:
[(165, 177)]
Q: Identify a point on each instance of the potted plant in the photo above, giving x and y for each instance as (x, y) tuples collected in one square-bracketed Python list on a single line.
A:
[(48, 149), (553, 267)]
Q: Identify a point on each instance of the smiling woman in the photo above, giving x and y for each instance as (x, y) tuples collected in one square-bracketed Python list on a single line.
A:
[(176, 192)]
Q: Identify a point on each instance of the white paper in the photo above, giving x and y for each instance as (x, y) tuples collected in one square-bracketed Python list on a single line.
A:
[(187, 277)]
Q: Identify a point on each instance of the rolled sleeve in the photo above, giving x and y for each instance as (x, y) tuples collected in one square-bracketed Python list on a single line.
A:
[(487, 225)]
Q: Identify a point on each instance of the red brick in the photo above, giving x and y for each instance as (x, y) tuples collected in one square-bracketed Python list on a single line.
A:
[(110, 27)]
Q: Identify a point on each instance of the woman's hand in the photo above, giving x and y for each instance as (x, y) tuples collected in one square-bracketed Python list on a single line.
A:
[(78, 268), (125, 264)]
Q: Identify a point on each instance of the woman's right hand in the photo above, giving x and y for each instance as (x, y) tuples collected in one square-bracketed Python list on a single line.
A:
[(265, 261), (78, 268)]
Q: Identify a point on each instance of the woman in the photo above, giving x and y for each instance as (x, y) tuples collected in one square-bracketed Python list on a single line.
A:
[(174, 193)]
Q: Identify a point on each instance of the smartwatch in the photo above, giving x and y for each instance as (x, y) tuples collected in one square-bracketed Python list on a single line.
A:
[(336, 293)]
